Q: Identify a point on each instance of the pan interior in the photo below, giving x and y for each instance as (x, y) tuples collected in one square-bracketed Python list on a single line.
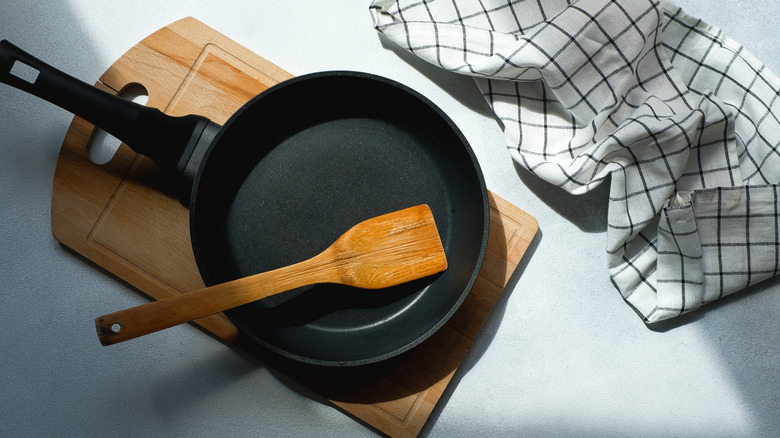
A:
[(301, 164)]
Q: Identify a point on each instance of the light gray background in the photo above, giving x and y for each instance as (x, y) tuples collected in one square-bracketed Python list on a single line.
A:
[(561, 355)]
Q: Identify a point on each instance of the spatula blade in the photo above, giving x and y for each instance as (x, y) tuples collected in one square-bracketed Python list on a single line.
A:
[(392, 249)]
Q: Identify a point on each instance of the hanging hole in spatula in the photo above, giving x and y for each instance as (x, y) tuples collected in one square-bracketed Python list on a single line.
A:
[(103, 146)]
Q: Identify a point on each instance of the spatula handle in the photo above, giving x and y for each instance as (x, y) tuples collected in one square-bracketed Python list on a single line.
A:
[(158, 315)]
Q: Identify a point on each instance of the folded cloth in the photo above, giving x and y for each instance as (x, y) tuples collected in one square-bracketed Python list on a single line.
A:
[(680, 120)]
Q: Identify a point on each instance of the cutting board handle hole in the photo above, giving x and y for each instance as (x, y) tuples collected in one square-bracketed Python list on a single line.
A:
[(103, 146), (116, 327)]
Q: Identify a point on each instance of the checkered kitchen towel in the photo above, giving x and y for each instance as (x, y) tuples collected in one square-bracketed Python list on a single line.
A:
[(680, 120)]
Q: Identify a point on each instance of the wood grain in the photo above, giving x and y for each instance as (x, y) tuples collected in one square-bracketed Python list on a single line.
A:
[(117, 216), (377, 253)]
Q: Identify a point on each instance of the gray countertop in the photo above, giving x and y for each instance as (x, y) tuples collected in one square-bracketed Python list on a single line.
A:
[(561, 354)]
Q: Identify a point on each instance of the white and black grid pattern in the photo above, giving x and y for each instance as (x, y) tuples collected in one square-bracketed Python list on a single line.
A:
[(678, 118)]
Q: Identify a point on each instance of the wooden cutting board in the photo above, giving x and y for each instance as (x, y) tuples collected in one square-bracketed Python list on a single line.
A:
[(115, 215)]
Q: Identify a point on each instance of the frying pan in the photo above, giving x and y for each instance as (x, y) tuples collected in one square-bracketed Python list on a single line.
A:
[(287, 174)]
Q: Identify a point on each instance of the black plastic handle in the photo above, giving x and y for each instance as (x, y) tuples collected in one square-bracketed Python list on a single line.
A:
[(146, 130)]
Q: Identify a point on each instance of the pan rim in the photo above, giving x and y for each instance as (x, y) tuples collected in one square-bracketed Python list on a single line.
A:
[(464, 146)]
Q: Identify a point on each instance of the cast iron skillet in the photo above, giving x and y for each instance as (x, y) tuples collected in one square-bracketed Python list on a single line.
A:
[(287, 174)]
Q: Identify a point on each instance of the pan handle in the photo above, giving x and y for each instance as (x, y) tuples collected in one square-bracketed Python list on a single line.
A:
[(146, 130)]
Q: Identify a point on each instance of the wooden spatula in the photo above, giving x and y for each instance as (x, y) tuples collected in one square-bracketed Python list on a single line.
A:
[(381, 252)]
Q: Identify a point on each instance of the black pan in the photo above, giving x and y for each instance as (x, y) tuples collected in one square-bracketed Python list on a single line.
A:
[(286, 175)]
